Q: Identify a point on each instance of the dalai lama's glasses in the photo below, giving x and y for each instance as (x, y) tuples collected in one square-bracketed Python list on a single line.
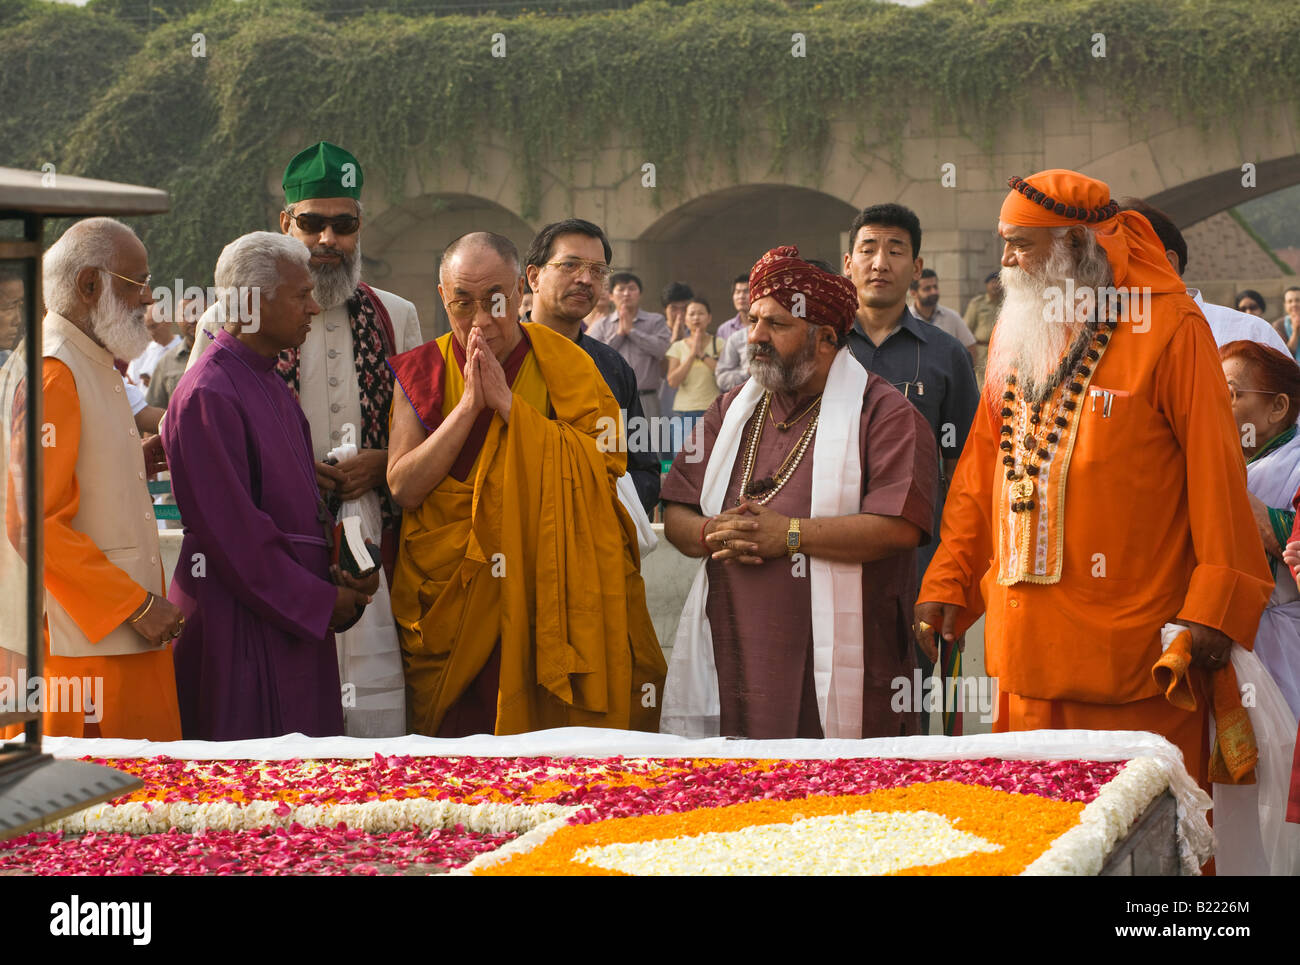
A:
[(465, 309), (314, 224)]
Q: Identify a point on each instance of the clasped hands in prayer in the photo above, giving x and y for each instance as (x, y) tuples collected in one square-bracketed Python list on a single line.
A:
[(485, 388), (485, 380), (748, 533)]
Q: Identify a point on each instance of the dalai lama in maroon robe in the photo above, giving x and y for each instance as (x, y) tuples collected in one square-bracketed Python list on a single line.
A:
[(816, 483), (256, 656)]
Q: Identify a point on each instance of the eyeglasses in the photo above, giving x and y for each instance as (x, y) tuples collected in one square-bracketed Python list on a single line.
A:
[(142, 284), (574, 267), (464, 309), (1233, 391), (314, 224)]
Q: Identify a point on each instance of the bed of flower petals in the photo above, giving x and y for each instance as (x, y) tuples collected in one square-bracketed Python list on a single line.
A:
[(366, 816), (294, 850), (604, 787), (1010, 830)]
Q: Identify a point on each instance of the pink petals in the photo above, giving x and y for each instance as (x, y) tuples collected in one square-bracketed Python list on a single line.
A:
[(610, 786), (295, 850), (598, 788)]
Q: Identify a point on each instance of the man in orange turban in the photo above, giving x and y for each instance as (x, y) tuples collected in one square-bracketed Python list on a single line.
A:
[(804, 496), (1102, 492)]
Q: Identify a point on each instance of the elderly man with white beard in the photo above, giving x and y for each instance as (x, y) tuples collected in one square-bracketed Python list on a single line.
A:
[(341, 379), (1102, 492), (107, 617)]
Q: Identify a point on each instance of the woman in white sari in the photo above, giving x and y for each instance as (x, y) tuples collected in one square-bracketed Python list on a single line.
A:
[(1265, 389)]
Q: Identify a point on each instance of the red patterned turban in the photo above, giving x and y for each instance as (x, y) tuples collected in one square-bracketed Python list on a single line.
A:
[(827, 299)]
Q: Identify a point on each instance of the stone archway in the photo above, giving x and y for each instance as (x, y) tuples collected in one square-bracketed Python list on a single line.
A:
[(1223, 255), (404, 242), (708, 241)]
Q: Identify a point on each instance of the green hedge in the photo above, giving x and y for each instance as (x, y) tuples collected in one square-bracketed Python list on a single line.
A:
[(100, 95)]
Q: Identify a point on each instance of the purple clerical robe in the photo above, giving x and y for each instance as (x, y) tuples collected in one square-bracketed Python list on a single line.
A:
[(256, 656)]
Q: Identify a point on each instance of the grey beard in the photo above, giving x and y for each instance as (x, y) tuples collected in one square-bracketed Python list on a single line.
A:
[(336, 283), (120, 329), (777, 374)]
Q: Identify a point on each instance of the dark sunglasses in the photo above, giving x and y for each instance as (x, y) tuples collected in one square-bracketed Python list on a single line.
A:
[(314, 224)]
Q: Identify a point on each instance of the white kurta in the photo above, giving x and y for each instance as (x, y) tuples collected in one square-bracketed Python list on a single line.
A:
[(370, 656)]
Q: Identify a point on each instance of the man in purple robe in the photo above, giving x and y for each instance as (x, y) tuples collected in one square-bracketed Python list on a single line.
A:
[(256, 657), (808, 490)]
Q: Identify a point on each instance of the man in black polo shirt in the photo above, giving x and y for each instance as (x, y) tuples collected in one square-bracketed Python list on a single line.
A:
[(566, 266), (930, 367)]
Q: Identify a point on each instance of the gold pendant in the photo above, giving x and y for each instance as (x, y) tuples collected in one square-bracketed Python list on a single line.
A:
[(1022, 489)]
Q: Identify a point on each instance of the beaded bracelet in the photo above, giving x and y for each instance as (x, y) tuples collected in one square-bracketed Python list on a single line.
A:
[(707, 520)]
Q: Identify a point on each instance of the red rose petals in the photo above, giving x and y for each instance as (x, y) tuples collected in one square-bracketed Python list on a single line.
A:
[(607, 785), (601, 788), (281, 851)]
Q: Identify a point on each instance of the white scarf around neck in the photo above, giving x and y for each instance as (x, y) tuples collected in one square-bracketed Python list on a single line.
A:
[(691, 706)]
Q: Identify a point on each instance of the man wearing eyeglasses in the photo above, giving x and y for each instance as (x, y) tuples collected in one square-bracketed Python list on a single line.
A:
[(343, 384), (107, 618), (515, 583), (567, 265)]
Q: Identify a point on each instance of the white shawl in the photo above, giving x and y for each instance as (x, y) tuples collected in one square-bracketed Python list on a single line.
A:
[(691, 707)]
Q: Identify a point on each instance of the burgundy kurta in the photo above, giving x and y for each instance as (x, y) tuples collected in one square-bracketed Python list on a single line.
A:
[(761, 616), (256, 657)]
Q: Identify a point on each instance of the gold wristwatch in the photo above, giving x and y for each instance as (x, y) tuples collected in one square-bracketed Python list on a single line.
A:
[(792, 538)]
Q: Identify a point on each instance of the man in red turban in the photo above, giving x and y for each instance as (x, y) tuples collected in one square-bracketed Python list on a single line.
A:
[(1102, 492), (804, 494)]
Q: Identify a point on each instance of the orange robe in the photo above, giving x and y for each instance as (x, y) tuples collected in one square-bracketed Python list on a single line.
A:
[(528, 562), (1145, 521), (139, 689)]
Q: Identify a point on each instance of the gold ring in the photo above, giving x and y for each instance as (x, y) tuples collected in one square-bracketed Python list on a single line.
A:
[(924, 627)]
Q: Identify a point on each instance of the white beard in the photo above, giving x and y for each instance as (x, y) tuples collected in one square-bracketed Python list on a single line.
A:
[(334, 284), (120, 329), (773, 374), (1035, 330)]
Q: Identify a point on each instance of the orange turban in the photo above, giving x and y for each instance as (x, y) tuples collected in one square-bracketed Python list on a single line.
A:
[(1058, 198), (827, 299)]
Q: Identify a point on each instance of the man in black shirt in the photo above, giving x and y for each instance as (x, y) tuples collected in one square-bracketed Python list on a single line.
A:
[(566, 266), (930, 367)]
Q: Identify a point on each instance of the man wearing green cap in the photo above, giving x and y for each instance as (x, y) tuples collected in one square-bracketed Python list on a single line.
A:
[(342, 381)]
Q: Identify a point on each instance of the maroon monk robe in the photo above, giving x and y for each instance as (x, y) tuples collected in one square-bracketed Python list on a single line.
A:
[(761, 616)]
